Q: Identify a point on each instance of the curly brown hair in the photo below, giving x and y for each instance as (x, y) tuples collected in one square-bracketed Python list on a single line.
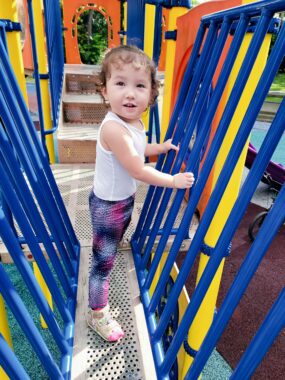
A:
[(126, 54)]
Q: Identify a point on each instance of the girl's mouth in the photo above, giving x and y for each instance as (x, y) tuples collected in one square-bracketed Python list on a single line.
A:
[(129, 105)]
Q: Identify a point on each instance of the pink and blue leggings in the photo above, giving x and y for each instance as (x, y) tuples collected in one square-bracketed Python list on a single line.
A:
[(110, 219)]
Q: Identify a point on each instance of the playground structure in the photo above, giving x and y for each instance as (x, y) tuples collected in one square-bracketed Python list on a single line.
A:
[(216, 102)]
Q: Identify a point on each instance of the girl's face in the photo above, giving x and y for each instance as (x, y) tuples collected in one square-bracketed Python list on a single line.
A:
[(128, 91)]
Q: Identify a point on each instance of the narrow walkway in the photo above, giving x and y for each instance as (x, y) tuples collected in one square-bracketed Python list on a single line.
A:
[(94, 358)]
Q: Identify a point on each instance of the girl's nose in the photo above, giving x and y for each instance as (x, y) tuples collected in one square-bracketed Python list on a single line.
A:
[(130, 93)]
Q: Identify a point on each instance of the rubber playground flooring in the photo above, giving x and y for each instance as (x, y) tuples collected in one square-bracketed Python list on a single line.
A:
[(264, 288)]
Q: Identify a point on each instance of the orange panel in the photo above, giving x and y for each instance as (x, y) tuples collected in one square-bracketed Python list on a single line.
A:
[(165, 20), (72, 9), (27, 47)]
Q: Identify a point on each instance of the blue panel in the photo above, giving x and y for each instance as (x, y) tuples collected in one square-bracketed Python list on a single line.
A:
[(135, 23), (53, 28)]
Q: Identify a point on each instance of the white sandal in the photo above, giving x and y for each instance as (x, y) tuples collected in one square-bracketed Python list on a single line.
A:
[(104, 325)]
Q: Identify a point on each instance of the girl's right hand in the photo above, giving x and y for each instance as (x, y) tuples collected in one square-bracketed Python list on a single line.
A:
[(183, 180)]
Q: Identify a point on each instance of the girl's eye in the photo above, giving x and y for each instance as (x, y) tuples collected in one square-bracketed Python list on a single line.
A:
[(141, 85), (120, 83)]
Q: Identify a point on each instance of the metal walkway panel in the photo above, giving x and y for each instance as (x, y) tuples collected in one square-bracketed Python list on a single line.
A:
[(93, 357)]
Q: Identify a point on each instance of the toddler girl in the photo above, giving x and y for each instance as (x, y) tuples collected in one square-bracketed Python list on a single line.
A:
[(129, 85)]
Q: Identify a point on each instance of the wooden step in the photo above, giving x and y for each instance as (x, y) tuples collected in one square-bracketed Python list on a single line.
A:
[(82, 83), (83, 109), (77, 143), (81, 79), (81, 113)]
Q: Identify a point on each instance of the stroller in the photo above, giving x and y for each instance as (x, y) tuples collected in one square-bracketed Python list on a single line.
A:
[(274, 176)]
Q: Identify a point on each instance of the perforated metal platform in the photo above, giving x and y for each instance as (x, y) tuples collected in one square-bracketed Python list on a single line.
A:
[(93, 357)]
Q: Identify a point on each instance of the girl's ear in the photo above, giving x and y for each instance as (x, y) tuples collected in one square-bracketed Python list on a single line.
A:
[(104, 93)]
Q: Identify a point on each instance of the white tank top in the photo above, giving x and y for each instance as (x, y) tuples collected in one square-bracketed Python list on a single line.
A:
[(112, 182)]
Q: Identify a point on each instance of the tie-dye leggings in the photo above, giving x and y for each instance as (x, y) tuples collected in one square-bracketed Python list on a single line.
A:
[(110, 219)]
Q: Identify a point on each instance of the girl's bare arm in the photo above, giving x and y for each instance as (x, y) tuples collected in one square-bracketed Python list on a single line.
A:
[(115, 138), (154, 149)]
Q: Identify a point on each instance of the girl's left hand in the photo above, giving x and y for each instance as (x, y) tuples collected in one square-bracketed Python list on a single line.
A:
[(167, 145)]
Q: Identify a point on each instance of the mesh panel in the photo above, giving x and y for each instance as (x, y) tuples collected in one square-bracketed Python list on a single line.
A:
[(119, 360), (84, 113), (82, 83)]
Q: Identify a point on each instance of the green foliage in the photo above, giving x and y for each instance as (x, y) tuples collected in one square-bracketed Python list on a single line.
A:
[(92, 33), (278, 83)]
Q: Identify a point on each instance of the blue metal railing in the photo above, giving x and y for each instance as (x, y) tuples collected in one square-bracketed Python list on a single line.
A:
[(212, 35), (33, 199)]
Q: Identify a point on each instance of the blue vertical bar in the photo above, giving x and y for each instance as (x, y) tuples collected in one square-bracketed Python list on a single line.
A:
[(53, 28), (135, 23), (157, 34), (150, 126), (156, 123), (37, 75), (154, 116)]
